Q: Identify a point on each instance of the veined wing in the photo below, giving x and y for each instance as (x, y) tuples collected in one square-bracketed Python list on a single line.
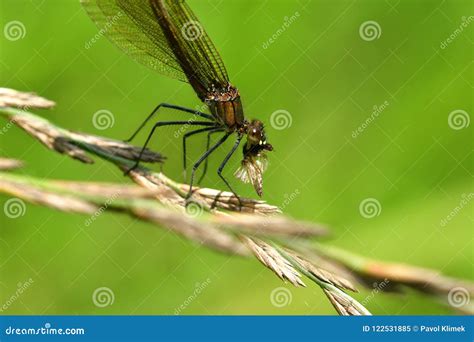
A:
[(132, 26), (191, 45), (164, 35)]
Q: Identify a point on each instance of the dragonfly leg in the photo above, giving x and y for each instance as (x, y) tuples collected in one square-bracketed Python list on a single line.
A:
[(223, 164), (166, 123), (208, 144), (167, 105), (202, 158), (197, 131)]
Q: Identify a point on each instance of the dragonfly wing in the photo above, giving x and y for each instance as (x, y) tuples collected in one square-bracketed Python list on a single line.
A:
[(191, 44), (132, 26), (164, 35)]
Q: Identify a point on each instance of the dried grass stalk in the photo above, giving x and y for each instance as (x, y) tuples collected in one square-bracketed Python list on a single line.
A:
[(18, 99), (216, 220), (396, 277), (320, 273), (212, 222), (10, 164), (94, 198), (288, 265), (275, 225), (272, 259), (332, 284), (345, 305)]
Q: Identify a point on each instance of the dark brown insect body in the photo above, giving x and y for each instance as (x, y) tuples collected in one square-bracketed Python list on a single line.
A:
[(226, 107), (166, 36)]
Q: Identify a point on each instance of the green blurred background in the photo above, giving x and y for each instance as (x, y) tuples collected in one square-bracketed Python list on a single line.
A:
[(319, 70)]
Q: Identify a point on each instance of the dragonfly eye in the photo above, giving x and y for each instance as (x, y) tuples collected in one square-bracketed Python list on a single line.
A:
[(254, 136)]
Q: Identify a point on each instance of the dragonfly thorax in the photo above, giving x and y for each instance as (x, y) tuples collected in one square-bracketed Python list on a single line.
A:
[(226, 107)]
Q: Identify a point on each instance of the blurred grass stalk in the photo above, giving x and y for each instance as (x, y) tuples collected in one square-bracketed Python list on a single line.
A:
[(213, 218)]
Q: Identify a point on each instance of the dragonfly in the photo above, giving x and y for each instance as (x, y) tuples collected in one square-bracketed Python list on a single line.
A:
[(166, 36)]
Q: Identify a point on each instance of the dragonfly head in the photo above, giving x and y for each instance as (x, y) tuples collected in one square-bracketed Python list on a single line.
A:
[(256, 139)]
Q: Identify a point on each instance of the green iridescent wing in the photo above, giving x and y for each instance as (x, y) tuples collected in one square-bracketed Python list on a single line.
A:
[(164, 35)]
